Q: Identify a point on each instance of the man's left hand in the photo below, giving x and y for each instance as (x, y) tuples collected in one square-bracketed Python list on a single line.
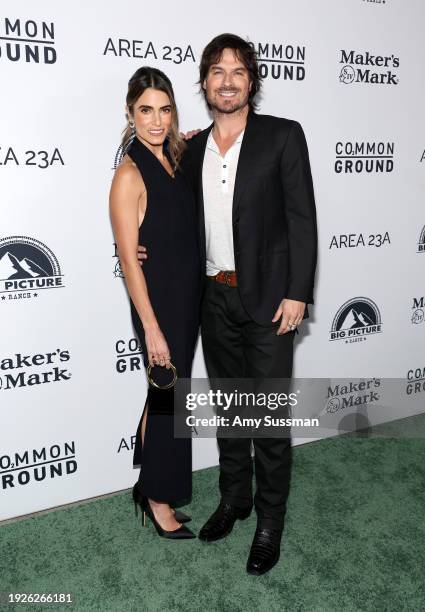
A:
[(292, 313)]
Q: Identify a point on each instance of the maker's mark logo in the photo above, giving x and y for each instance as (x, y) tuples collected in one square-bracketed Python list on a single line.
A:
[(21, 370), (421, 241), (418, 308), (347, 75), (333, 405), (27, 266), (355, 320), (352, 394), (368, 68)]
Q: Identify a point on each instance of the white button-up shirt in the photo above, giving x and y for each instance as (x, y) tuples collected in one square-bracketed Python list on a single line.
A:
[(218, 180)]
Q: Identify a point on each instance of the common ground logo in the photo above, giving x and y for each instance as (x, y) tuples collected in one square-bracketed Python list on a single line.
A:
[(27, 266), (421, 241), (357, 319), (129, 356), (415, 381), (149, 50), (118, 273), (26, 40), (280, 61), (352, 394), (418, 308), (363, 157), (38, 464), (368, 68), (21, 370)]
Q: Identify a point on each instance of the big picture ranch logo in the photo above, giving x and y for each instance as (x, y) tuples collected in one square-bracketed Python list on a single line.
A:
[(421, 241), (27, 266), (118, 273), (26, 40), (357, 319), (366, 67)]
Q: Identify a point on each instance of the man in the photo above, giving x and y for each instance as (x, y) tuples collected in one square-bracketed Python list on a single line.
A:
[(257, 227)]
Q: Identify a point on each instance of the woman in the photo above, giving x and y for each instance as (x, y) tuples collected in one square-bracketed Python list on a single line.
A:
[(151, 204)]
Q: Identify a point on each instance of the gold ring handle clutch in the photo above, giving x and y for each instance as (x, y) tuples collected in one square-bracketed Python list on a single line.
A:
[(168, 385)]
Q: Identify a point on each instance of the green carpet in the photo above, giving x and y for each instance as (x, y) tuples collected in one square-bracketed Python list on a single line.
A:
[(353, 541)]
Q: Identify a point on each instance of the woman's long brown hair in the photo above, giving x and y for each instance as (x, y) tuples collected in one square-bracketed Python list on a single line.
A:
[(145, 78)]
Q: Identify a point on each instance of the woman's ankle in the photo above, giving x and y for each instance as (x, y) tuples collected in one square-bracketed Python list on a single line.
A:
[(158, 505)]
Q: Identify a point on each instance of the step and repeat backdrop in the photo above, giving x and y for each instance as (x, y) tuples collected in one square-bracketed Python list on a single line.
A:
[(72, 384)]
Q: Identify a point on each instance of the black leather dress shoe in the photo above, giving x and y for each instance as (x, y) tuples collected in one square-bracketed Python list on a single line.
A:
[(221, 522), (265, 551)]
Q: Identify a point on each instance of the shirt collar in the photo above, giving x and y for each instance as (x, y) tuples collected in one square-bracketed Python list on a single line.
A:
[(211, 143)]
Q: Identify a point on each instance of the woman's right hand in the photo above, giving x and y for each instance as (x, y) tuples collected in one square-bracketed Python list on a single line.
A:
[(157, 347)]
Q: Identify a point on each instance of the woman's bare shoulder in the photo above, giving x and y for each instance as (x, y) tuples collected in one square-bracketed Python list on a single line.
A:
[(127, 170)]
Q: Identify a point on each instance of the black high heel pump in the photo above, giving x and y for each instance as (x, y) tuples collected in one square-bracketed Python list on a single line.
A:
[(181, 533), (180, 516)]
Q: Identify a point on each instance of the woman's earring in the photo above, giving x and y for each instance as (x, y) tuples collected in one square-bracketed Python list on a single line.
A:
[(124, 147)]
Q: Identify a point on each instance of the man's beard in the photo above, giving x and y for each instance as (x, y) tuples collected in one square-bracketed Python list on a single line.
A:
[(228, 109)]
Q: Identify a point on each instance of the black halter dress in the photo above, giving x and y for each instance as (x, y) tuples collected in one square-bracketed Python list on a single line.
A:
[(173, 277)]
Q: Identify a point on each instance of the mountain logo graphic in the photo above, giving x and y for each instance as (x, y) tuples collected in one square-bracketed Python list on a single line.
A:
[(356, 319), (118, 273), (421, 241), (26, 264)]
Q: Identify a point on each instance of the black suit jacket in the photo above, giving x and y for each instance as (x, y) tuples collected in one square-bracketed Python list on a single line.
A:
[(274, 216)]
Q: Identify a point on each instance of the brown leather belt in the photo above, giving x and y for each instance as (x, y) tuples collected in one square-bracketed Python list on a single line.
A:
[(227, 277)]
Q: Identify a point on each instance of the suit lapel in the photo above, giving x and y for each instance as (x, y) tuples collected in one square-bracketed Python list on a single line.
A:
[(247, 156), (202, 145)]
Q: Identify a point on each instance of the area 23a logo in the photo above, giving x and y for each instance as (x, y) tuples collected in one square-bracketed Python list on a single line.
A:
[(355, 320), (27, 266)]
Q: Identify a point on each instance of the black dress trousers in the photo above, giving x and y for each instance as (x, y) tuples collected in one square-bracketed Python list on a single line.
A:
[(235, 346)]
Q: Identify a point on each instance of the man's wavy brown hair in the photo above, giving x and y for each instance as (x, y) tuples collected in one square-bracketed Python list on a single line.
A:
[(244, 51)]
